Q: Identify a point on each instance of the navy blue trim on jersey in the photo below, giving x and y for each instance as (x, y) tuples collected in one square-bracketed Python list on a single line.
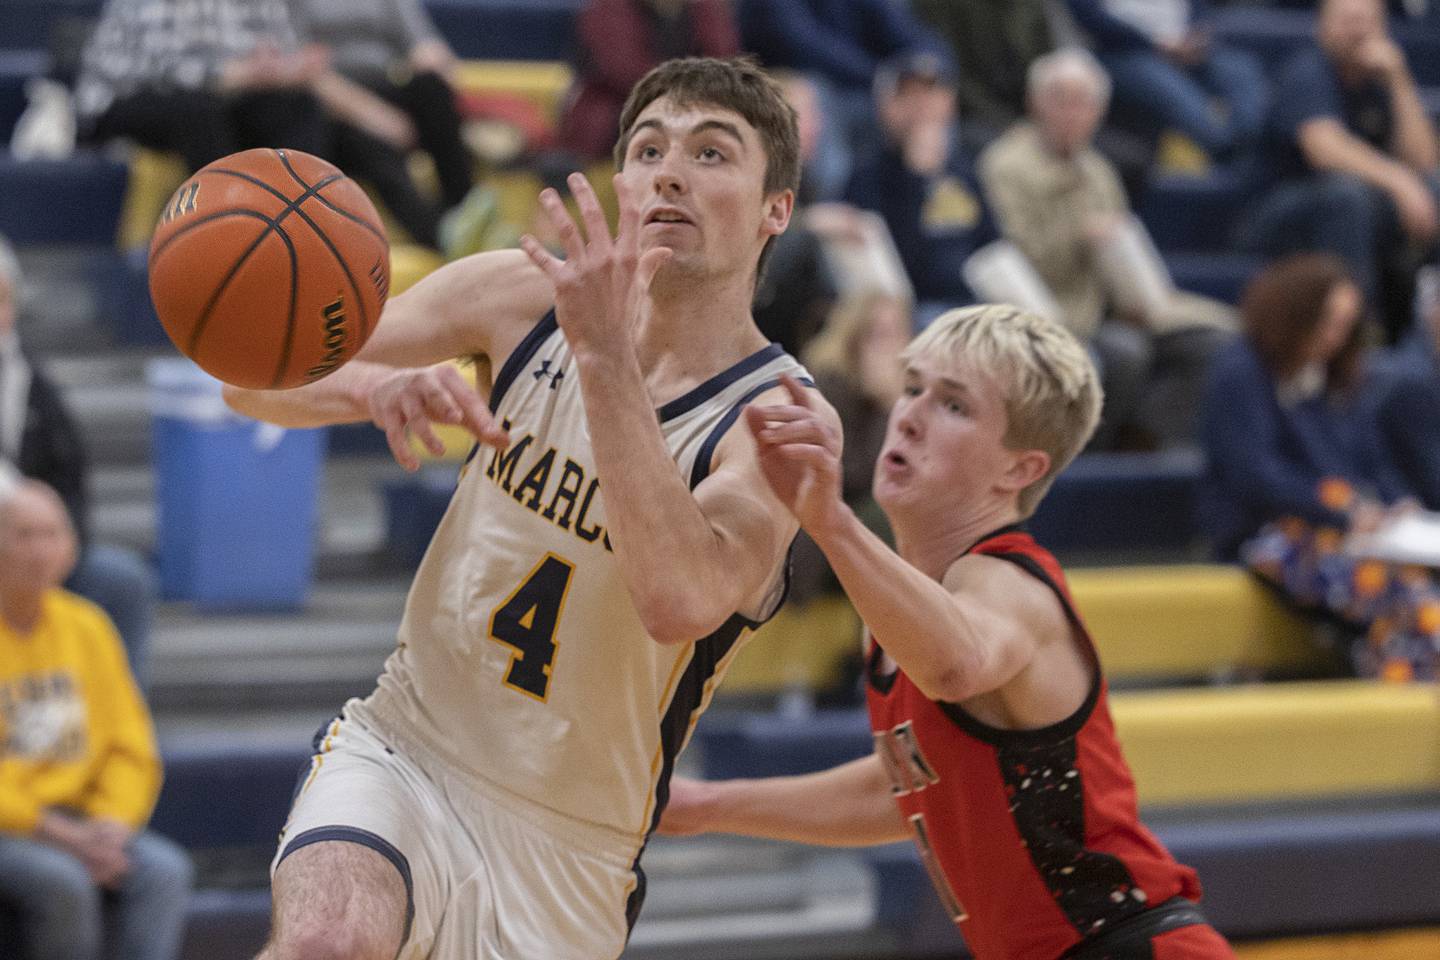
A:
[(689, 692), (521, 355), (689, 401), (701, 468), (316, 742), (374, 842)]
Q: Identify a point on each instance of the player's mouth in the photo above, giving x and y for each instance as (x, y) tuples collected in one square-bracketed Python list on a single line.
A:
[(894, 460), (667, 216)]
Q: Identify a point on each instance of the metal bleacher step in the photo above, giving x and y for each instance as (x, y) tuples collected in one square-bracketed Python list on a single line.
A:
[(223, 663), (725, 898)]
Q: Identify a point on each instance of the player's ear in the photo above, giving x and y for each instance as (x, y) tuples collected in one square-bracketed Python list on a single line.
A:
[(778, 208), (1026, 466)]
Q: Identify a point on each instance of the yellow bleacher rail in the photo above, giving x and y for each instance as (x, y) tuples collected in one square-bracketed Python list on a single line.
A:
[(1281, 740), (1150, 624)]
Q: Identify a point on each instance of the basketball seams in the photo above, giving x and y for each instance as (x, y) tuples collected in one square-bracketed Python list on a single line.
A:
[(365, 324), (289, 343), (273, 225), (358, 220), (234, 285), (209, 218), (203, 320)]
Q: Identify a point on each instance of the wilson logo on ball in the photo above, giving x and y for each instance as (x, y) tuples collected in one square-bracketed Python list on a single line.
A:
[(333, 317), (183, 202)]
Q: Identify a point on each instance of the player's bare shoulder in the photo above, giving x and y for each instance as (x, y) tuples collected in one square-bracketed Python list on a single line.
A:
[(481, 305), (1009, 597)]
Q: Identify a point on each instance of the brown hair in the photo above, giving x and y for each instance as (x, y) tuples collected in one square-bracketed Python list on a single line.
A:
[(1283, 307), (735, 83)]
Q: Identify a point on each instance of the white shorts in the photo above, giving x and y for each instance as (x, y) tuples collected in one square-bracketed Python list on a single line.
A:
[(486, 879)]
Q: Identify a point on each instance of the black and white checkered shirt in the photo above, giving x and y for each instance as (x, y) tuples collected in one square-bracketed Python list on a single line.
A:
[(173, 44)]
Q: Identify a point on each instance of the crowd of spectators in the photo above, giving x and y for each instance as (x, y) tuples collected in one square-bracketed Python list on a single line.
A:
[(961, 128), (933, 133)]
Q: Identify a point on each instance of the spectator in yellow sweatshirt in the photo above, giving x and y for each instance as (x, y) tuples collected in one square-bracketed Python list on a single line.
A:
[(79, 769)]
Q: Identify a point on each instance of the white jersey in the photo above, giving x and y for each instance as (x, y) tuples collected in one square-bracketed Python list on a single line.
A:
[(521, 657)]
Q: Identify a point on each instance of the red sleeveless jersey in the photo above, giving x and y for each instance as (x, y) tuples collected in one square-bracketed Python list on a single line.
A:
[(1032, 837)]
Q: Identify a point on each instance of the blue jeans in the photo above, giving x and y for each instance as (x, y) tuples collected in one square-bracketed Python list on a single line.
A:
[(1174, 97), (123, 584), (63, 915)]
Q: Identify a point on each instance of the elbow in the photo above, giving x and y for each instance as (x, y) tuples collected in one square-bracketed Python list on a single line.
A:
[(676, 618), (950, 681)]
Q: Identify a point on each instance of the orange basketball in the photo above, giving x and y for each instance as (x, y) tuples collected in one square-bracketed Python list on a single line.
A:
[(269, 268)]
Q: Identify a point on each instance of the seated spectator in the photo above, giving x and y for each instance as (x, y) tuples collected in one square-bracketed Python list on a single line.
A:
[(1352, 160), (79, 769), (620, 40), (388, 91), (1170, 73), (841, 45), (920, 181), (39, 438), (201, 79), (1294, 464), (1060, 202), (1410, 396), (994, 42), (855, 360)]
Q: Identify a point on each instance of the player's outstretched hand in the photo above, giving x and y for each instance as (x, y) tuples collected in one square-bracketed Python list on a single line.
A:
[(799, 454), (600, 284), (408, 402)]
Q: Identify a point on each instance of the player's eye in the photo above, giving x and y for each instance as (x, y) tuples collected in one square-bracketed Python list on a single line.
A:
[(648, 152), (711, 154)]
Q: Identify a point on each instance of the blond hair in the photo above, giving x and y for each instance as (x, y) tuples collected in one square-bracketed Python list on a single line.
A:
[(1051, 390)]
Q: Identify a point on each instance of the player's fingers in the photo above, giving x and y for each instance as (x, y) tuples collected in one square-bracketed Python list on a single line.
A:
[(650, 264), (810, 455), (542, 258), (476, 418), (781, 412), (597, 231), (799, 431), (563, 223), (754, 420), (797, 391), (627, 232), (398, 440), (421, 429), (439, 403)]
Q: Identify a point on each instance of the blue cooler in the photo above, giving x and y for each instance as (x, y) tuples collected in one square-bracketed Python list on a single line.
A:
[(236, 499)]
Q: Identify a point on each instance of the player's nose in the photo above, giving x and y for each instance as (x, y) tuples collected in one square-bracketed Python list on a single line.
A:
[(668, 180)]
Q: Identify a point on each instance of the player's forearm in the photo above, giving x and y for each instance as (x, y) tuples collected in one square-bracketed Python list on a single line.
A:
[(846, 806), (669, 552), (916, 620), (342, 397)]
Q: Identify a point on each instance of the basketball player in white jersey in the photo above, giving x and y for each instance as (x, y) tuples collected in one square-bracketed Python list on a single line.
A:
[(610, 545)]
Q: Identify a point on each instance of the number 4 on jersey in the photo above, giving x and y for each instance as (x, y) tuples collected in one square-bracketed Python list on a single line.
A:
[(526, 623)]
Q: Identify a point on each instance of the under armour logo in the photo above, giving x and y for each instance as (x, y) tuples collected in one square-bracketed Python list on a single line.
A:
[(544, 371)]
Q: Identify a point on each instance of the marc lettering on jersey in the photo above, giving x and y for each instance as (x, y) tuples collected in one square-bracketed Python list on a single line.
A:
[(549, 484)]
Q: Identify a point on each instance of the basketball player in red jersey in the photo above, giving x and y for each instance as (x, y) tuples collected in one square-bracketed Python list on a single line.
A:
[(993, 737)]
